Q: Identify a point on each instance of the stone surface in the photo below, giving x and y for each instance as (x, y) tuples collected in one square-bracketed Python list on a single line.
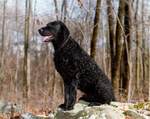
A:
[(31, 116), (82, 111), (116, 110)]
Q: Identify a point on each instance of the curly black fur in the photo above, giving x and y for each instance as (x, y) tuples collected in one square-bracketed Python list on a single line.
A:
[(78, 69)]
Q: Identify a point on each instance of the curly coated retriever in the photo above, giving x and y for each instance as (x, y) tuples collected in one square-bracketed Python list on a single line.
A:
[(77, 68)]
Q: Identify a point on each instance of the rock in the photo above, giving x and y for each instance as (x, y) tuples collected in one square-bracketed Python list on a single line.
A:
[(8, 107), (27, 116), (134, 111), (116, 110), (135, 115), (82, 111), (122, 106), (31, 116)]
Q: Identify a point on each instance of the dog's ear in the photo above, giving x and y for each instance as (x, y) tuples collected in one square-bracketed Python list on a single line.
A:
[(61, 28), (65, 30)]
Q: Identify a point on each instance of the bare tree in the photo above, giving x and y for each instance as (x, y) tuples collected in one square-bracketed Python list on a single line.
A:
[(144, 61), (3, 33), (138, 52), (118, 47), (127, 46), (17, 62), (64, 10), (111, 26), (26, 66), (56, 9), (149, 69), (95, 29)]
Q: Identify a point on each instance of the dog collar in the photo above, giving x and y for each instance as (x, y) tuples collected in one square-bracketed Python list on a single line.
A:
[(64, 43)]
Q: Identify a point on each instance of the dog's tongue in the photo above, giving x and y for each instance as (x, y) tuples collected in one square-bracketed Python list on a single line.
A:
[(46, 39)]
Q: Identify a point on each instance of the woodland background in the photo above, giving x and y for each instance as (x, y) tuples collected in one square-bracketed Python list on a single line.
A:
[(116, 33)]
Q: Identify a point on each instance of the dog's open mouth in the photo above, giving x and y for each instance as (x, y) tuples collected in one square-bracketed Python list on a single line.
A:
[(48, 37)]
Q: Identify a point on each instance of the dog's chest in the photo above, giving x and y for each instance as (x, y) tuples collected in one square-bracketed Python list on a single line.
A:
[(63, 63)]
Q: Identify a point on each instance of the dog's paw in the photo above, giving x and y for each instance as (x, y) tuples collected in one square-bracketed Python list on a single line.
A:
[(65, 108), (62, 106)]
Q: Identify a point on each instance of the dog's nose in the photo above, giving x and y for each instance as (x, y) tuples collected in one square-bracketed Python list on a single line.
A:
[(41, 30)]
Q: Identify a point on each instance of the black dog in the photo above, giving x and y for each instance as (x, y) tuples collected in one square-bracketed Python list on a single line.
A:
[(77, 68)]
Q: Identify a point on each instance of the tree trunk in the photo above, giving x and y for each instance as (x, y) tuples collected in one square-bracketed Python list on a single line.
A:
[(127, 46), (138, 53), (56, 9), (111, 33), (95, 29), (26, 65), (47, 64), (17, 53), (64, 10), (118, 48), (104, 51), (144, 74), (149, 69), (3, 34)]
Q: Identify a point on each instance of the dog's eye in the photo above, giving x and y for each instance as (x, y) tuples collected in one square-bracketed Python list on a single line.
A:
[(49, 25)]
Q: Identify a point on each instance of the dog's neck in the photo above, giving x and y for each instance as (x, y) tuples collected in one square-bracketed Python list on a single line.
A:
[(58, 48), (65, 42)]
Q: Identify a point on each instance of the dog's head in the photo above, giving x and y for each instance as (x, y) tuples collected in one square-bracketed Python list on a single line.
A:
[(55, 32)]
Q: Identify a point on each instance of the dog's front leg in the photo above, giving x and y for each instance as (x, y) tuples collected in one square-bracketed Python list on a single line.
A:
[(70, 92)]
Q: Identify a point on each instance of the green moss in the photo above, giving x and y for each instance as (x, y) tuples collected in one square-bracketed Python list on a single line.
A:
[(141, 105)]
